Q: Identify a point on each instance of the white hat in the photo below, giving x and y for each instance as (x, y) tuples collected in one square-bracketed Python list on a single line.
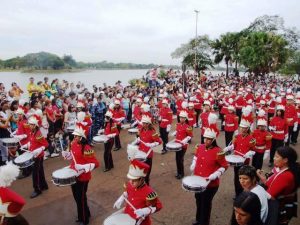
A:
[(184, 104), (206, 102), (250, 101), (80, 105), (183, 114), (146, 119), (22, 102), (165, 101), (212, 118), (209, 133), (231, 107), (9, 173), (289, 97), (198, 91), (191, 104), (137, 169), (146, 99), (245, 123), (298, 94), (262, 102), (160, 95), (109, 114), (288, 91), (80, 116), (139, 100), (278, 99), (111, 106), (261, 112), (280, 107), (205, 95), (80, 97), (20, 111), (119, 95), (230, 100), (146, 107), (261, 122), (117, 102), (297, 101), (39, 113), (180, 95), (79, 131), (34, 120), (140, 95)]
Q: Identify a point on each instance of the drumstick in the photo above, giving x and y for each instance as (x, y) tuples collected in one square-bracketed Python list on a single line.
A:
[(239, 153), (25, 150), (134, 209)]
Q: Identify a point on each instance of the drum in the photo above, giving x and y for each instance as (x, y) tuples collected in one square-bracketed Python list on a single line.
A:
[(194, 184), (10, 142), (141, 156), (25, 160), (133, 130), (70, 129), (119, 218), (173, 146), (125, 126), (235, 160), (64, 177), (100, 139)]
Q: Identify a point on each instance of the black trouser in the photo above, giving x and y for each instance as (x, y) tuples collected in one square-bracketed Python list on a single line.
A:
[(164, 136), (79, 190), (239, 114), (108, 160), (202, 139), (51, 129), (275, 144), (149, 162), (178, 119), (117, 138), (295, 135), (198, 112), (180, 162), (38, 175), (257, 160), (204, 203), (222, 120), (290, 135), (237, 186), (228, 137), (270, 115)]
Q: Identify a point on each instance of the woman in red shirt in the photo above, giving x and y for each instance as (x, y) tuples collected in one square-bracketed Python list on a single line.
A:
[(282, 185)]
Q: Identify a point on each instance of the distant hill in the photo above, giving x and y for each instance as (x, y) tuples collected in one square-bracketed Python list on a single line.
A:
[(49, 61)]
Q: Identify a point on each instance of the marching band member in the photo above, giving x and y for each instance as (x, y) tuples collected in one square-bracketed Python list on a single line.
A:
[(262, 143), (191, 114), (179, 101), (279, 131), (183, 133), (36, 145), (242, 144), (204, 118), (209, 162), (296, 131), (118, 117), (83, 161), (148, 139), (291, 116), (165, 121), (110, 130), (143, 199), (282, 185), (11, 203), (230, 124)]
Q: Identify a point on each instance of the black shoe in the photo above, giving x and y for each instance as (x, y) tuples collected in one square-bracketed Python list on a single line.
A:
[(179, 176), (196, 223), (45, 188), (164, 151), (82, 223), (293, 143), (21, 176), (35, 194), (105, 170), (117, 149)]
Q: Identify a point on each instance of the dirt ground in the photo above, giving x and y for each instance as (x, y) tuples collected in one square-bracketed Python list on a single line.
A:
[(56, 205)]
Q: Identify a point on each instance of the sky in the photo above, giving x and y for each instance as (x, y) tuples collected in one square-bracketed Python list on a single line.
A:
[(136, 31)]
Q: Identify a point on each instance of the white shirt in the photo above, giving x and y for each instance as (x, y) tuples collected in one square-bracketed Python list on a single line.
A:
[(263, 196)]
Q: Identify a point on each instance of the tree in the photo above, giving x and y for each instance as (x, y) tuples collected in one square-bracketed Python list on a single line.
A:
[(263, 52), (68, 59), (226, 48), (292, 65)]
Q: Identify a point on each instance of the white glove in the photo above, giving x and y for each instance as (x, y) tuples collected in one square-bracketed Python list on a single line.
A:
[(67, 155), (111, 135), (236, 132), (136, 141), (152, 145), (267, 154), (272, 128), (86, 167), (12, 135), (168, 128), (186, 140), (101, 131), (295, 127), (144, 212), (252, 126), (249, 154), (118, 204), (193, 165), (37, 151), (174, 133), (217, 174), (20, 137), (120, 119), (84, 123), (223, 124), (26, 145), (229, 148), (286, 138), (134, 123)]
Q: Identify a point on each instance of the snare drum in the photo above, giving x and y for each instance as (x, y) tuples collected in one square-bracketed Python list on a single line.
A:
[(141, 156), (173, 146), (70, 129), (25, 160), (64, 177), (100, 139), (10, 142), (133, 130), (194, 184), (119, 218), (235, 160), (125, 126)]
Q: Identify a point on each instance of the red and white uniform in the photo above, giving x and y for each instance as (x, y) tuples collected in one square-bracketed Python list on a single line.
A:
[(117, 114), (148, 136), (137, 112), (179, 106), (281, 128), (240, 102), (243, 144), (204, 121), (263, 140), (23, 128), (166, 116), (290, 114), (209, 161), (37, 140), (192, 117), (231, 122), (182, 131), (111, 129), (12, 201)]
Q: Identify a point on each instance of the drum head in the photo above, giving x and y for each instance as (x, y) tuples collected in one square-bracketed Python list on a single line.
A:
[(64, 173), (194, 181), (133, 130), (234, 158), (26, 156), (173, 145), (119, 219), (100, 138)]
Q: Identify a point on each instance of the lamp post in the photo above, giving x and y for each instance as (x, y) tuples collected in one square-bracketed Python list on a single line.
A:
[(196, 11)]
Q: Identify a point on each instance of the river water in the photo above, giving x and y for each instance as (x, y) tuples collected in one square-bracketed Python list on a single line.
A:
[(88, 77)]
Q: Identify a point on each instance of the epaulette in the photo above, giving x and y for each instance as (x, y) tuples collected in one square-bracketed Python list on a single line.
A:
[(114, 127), (195, 148), (252, 142), (269, 137), (236, 118), (125, 186), (221, 154), (151, 196), (89, 153), (155, 135), (170, 112), (88, 116), (26, 125), (39, 138), (189, 128)]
